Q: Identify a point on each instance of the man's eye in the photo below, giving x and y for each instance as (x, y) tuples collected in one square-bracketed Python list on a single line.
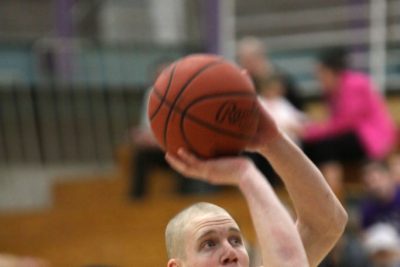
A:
[(235, 241), (208, 244)]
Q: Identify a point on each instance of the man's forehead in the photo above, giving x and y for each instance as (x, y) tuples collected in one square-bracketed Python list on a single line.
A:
[(212, 222)]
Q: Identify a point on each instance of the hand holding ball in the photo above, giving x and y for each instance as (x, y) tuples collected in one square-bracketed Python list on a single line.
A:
[(204, 104)]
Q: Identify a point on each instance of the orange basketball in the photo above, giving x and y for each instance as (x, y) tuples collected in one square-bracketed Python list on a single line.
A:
[(205, 104)]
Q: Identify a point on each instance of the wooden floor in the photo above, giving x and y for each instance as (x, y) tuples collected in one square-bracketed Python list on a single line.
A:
[(94, 222)]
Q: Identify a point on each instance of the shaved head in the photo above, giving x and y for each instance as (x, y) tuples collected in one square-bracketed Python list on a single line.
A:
[(174, 233), (252, 56), (251, 46)]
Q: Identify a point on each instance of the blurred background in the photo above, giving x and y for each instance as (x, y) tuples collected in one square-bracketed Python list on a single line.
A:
[(73, 75)]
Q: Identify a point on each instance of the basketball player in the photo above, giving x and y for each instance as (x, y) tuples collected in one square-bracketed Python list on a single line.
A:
[(206, 235)]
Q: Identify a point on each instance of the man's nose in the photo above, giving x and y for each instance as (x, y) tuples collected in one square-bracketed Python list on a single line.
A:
[(229, 254)]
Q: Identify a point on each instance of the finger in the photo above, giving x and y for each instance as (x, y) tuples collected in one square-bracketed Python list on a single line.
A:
[(180, 165), (245, 72), (175, 162), (188, 157), (197, 166)]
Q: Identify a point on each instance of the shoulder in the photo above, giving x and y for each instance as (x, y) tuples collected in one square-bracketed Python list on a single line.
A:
[(356, 80)]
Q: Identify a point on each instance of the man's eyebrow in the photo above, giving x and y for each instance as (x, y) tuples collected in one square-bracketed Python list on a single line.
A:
[(210, 232), (206, 233), (234, 229)]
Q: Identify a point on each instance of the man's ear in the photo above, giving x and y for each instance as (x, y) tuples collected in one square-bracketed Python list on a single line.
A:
[(173, 263)]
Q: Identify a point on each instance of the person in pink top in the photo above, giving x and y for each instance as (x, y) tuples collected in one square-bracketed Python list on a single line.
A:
[(359, 125)]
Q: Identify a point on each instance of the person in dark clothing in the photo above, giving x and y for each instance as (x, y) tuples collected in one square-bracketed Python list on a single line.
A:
[(148, 155), (382, 203)]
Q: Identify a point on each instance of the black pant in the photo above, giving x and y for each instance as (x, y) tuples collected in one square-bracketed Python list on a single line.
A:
[(344, 148), (146, 159)]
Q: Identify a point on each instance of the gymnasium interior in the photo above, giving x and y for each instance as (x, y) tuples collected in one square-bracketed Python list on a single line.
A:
[(73, 76)]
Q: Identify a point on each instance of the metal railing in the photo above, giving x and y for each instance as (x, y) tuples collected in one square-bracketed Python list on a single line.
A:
[(74, 103), (55, 124)]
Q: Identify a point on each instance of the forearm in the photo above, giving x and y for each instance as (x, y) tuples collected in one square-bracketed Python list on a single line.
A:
[(319, 213), (279, 240)]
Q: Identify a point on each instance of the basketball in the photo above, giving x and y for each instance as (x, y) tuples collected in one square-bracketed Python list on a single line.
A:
[(205, 104)]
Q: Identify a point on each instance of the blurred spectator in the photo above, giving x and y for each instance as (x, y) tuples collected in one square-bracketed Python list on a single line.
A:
[(382, 203), (288, 117), (359, 125), (394, 166), (382, 243), (148, 154), (348, 252), (142, 135), (252, 56)]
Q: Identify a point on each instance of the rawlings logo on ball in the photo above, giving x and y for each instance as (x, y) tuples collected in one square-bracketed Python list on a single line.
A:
[(233, 114)]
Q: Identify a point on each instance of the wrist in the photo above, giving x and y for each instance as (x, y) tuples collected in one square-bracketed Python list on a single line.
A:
[(271, 142), (247, 175)]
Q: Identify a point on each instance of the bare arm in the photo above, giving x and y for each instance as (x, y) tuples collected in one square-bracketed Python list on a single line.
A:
[(321, 218), (279, 240)]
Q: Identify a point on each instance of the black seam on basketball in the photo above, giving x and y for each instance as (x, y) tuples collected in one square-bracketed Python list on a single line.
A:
[(166, 93), (201, 70), (184, 113)]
